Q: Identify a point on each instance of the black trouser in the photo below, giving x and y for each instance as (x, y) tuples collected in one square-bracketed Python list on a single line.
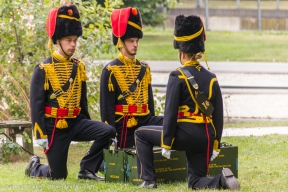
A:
[(78, 130), (141, 121), (189, 138)]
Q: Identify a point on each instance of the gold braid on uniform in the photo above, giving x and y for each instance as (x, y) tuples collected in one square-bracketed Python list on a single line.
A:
[(58, 74), (125, 75), (194, 63)]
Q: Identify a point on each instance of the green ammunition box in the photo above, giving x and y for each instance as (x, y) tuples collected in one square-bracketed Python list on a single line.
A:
[(114, 165), (228, 157), (121, 165), (131, 167), (167, 170)]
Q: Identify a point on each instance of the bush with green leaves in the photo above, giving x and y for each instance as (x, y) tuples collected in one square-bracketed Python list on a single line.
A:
[(8, 149), (23, 43), (159, 102)]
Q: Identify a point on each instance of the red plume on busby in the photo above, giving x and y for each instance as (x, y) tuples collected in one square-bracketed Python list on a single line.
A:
[(126, 23), (189, 34), (63, 22)]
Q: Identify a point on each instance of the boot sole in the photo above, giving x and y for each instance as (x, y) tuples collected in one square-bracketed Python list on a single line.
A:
[(231, 181)]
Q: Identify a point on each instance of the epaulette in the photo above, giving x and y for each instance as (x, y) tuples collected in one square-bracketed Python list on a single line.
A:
[(74, 59), (43, 65), (45, 62), (144, 63)]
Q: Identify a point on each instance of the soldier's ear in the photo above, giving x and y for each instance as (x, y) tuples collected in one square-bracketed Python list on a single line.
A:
[(182, 55)]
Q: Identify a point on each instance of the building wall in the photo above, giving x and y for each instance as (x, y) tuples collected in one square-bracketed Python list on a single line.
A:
[(235, 19)]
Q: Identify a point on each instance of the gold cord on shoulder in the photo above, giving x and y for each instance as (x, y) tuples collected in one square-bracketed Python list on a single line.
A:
[(205, 59), (46, 83)]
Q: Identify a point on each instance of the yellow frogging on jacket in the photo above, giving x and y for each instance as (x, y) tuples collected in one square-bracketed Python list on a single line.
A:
[(126, 75), (58, 73)]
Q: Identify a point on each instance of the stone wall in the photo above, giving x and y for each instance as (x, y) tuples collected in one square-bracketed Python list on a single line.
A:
[(236, 19)]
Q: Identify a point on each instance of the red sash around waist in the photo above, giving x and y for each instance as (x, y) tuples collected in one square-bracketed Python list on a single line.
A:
[(62, 112), (131, 108)]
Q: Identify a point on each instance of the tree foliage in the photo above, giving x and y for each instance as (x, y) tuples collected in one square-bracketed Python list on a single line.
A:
[(24, 41), (152, 12)]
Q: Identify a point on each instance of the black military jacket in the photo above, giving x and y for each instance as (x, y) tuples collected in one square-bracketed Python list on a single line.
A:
[(116, 77), (178, 98), (41, 89)]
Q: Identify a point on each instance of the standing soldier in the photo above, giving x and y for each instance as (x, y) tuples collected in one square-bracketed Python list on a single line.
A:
[(193, 117), (58, 101), (126, 97)]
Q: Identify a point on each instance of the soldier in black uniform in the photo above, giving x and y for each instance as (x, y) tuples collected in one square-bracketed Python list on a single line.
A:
[(126, 97), (189, 125), (58, 101)]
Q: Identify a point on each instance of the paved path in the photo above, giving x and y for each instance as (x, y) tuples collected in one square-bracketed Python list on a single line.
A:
[(256, 131), (225, 66)]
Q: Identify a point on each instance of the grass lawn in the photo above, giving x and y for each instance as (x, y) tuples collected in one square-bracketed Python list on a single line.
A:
[(257, 46), (262, 160), (251, 124)]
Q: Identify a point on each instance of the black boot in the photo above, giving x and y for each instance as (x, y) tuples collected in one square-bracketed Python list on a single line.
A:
[(86, 174), (28, 170), (228, 181), (148, 184)]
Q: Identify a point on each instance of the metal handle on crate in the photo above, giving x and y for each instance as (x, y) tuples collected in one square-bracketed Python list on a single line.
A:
[(113, 140), (129, 152), (224, 144)]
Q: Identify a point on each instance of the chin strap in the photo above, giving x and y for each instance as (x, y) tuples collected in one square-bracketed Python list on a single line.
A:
[(121, 45), (64, 51)]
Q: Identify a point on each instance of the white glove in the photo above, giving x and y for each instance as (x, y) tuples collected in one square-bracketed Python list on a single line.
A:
[(115, 139), (166, 153), (42, 142), (114, 144), (214, 155)]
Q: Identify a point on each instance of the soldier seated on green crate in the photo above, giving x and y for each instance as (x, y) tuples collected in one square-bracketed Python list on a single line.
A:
[(193, 117)]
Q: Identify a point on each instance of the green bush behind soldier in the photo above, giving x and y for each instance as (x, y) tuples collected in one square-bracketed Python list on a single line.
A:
[(58, 102), (188, 126), (126, 100)]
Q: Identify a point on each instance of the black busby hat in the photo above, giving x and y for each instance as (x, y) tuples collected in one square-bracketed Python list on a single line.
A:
[(189, 34), (63, 22), (126, 23)]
